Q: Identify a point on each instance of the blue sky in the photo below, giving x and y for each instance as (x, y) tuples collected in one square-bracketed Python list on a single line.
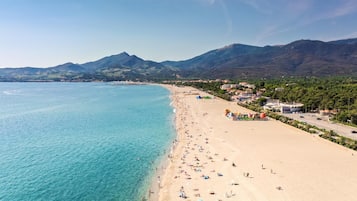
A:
[(44, 33)]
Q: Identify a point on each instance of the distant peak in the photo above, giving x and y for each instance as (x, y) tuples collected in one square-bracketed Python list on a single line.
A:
[(125, 53), (304, 41), (234, 45), (66, 64), (120, 55), (231, 45)]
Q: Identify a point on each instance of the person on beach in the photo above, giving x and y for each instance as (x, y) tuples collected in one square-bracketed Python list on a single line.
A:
[(182, 193), (159, 181)]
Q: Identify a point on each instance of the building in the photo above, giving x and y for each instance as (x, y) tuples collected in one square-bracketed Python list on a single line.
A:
[(291, 108), (275, 105), (247, 85), (229, 86)]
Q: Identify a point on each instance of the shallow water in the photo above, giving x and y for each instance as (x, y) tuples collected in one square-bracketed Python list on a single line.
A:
[(81, 141)]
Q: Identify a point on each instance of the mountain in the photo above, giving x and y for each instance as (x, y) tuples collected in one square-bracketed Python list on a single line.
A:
[(67, 68), (116, 67), (345, 41), (223, 62), (299, 58), (119, 60), (215, 58), (236, 61), (124, 66)]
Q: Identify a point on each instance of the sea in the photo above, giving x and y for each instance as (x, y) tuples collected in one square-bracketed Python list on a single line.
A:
[(82, 141)]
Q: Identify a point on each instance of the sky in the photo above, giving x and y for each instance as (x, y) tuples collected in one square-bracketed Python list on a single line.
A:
[(46, 33)]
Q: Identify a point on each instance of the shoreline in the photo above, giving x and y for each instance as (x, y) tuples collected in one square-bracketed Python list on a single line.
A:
[(218, 159), (152, 193)]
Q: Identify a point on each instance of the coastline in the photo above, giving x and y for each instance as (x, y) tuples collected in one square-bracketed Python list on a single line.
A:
[(219, 159), (152, 193)]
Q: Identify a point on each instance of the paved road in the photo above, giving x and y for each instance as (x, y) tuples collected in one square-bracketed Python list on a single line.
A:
[(312, 118)]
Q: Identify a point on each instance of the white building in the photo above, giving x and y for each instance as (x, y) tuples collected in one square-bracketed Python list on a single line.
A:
[(275, 105), (291, 108), (229, 86)]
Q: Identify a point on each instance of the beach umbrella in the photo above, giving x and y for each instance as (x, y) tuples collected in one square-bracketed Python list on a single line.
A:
[(262, 115)]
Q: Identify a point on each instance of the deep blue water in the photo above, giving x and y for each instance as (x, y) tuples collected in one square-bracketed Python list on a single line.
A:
[(81, 141)]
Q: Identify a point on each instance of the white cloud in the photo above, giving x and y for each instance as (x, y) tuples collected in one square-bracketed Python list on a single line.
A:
[(262, 6), (347, 8), (299, 14), (227, 16), (297, 7)]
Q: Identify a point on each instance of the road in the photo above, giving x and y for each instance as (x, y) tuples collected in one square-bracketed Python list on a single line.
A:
[(323, 122)]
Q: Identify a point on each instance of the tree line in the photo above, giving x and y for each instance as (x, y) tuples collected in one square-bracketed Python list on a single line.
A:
[(334, 94)]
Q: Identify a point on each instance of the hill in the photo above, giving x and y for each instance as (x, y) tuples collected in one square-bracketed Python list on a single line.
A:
[(116, 67), (299, 59)]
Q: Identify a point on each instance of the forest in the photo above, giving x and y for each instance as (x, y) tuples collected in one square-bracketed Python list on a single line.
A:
[(338, 95)]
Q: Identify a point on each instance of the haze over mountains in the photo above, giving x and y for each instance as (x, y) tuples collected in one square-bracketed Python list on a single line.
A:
[(236, 61)]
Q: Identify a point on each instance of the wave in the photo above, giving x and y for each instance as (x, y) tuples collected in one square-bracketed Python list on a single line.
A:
[(33, 111), (11, 92)]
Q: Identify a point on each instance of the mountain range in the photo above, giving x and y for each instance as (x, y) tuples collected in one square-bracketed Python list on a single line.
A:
[(298, 59)]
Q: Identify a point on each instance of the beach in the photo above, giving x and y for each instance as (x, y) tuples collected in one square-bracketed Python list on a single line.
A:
[(215, 158)]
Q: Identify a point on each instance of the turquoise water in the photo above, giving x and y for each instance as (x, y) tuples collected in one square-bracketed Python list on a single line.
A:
[(81, 141)]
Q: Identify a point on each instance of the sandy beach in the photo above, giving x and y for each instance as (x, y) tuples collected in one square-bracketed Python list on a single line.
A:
[(216, 158)]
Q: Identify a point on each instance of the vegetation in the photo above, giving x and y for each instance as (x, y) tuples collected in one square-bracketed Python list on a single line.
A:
[(335, 94)]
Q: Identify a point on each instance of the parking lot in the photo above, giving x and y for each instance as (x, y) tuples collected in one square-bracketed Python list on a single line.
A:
[(323, 122)]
